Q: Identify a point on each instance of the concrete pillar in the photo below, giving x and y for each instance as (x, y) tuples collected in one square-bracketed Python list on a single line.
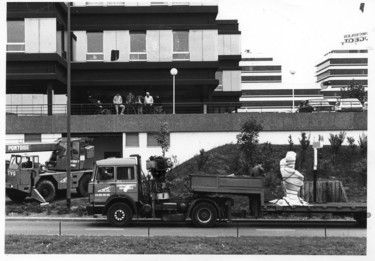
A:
[(50, 93)]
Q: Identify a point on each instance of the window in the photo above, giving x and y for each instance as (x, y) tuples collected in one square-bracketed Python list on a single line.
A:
[(125, 173), (219, 76), (105, 173), (138, 46), (94, 46), (132, 140), (15, 36), (181, 45), (36, 137)]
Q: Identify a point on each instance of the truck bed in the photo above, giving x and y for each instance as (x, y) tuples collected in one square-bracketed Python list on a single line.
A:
[(226, 184), (332, 207)]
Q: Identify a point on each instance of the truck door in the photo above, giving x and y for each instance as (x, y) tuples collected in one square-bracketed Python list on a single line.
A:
[(127, 182), (104, 184)]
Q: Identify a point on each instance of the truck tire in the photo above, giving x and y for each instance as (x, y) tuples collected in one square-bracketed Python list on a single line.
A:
[(83, 185), (16, 196), (46, 189), (361, 218), (119, 215), (204, 215)]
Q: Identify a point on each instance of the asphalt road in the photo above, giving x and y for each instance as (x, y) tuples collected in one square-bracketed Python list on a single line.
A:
[(90, 228)]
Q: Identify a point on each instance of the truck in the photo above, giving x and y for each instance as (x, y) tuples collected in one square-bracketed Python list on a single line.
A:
[(120, 191), (27, 177)]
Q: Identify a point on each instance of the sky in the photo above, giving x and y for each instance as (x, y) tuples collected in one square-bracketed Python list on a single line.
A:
[(297, 33)]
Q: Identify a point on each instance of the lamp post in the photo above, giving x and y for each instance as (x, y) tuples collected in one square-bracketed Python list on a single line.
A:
[(174, 72), (292, 72)]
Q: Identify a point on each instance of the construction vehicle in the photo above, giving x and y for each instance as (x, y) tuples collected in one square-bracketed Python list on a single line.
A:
[(120, 191), (27, 177)]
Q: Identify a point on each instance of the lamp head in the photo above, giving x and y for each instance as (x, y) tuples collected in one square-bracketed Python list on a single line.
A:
[(174, 71)]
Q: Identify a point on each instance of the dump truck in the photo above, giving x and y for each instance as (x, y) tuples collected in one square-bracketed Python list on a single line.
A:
[(120, 191), (27, 177)]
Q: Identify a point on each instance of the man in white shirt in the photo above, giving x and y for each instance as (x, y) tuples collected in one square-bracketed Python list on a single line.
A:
[(149, 101), (117, 101)]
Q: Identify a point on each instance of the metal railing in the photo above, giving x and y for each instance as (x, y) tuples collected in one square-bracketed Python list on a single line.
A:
[(157, 108)]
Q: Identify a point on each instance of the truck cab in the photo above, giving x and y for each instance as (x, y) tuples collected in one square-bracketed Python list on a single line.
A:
[(116, 180), (21, 175)]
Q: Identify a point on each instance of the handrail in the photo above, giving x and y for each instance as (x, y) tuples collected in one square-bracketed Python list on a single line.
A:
[(157, 108)]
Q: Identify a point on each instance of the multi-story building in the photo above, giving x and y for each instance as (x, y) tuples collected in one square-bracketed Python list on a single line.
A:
[(263, 89), (339, 68), (117, 47), (121, 47)]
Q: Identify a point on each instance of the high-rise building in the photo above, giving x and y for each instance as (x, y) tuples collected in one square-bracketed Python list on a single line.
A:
[(339, 68), (263, 89)]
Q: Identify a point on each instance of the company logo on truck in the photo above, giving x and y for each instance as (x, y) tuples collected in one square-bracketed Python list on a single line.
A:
[(107, 189), (126, 188)]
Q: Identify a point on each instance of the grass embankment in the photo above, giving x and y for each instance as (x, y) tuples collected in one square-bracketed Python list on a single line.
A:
[(348, 166), (184, 245)]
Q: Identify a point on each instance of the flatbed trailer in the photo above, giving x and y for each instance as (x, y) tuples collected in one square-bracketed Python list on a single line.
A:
[(254, 189)]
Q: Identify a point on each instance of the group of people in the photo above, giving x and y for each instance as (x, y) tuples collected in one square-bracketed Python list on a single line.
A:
[(135, 103)]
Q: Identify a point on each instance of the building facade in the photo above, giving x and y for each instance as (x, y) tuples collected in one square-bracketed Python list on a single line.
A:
[(263, 89), (121, 47), (340, 68)]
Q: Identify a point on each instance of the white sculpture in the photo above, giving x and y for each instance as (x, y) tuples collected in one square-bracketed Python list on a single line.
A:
[(292, 182)]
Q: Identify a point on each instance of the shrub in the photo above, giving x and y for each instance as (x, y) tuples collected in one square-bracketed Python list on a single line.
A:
[(352, 144), (360, 168), (202, 159), (363, 144), (336, 141), (305, 143), (291, 143)]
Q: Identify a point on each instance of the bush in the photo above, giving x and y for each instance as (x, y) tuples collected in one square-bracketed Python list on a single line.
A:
[(352, 144), (305, 143), (360, 168), (291, 143), (363, 144), (248, 141), (336, 141), (202, 159)]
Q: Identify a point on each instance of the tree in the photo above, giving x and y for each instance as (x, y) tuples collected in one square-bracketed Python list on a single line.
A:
[(354, 90), (248, 141), (162, 137)]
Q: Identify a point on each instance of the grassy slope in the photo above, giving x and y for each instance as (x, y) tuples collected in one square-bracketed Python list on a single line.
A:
[(183, 245), (223, 161)]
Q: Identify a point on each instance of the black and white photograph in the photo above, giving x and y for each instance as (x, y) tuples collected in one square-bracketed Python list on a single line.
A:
[(208, 129)]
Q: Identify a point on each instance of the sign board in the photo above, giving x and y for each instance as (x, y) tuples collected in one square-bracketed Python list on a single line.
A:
[(355, 38), (317, 144)]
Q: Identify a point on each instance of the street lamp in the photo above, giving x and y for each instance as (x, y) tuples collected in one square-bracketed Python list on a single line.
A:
[(292, 72), (174, 72)]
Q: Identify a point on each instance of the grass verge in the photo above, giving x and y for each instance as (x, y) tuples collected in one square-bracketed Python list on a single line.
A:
[(22, 244)]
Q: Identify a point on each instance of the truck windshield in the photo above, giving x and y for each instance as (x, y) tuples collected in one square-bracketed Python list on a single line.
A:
[(14, 162)]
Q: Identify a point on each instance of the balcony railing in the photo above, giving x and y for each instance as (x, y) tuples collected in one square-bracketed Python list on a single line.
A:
[(161, 108)]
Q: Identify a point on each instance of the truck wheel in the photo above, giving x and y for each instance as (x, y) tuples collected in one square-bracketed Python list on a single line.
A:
[(119, 215), (83, 185), (16, 196), (361, 218), (46, 189), (204, 215)]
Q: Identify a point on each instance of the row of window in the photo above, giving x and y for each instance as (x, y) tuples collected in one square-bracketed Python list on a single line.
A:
[(137, 46), (132, 139), (16, 43)]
